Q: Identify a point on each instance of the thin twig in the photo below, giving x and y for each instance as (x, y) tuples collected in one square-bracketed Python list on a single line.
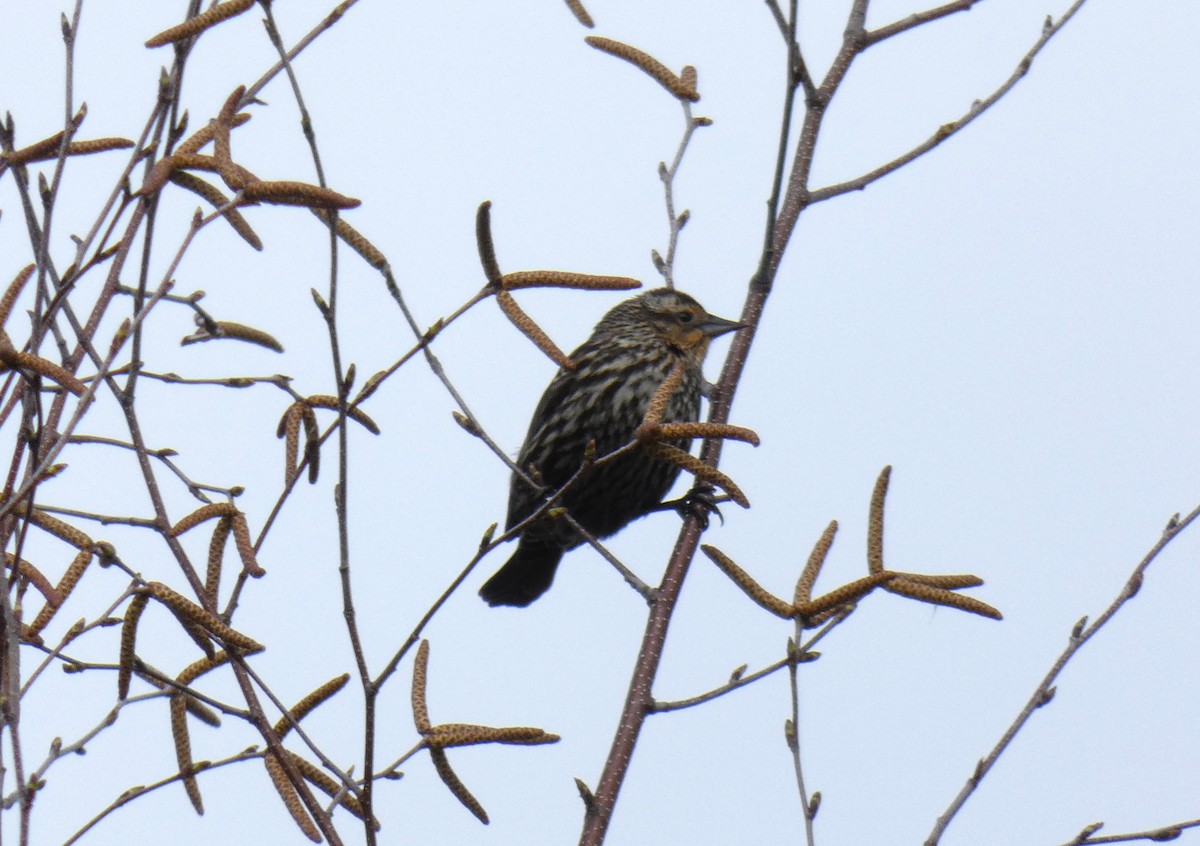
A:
[(948, 130), (318, 812), (740, 681), (675, 222), (1043, 694), (134, 792), (917, 19), (792, 736), (1162, 834)]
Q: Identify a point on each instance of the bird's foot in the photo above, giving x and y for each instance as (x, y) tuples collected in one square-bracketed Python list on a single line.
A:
[(700, 502)]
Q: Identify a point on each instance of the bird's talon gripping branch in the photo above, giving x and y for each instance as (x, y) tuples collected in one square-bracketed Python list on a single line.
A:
[(700, 502)]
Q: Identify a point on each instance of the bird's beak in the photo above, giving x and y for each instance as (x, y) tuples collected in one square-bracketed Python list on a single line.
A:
[(715, 326)]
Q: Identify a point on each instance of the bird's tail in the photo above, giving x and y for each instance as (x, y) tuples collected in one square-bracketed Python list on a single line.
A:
[(525, 577)]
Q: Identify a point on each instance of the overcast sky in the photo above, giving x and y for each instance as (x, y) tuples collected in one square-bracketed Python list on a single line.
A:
[(1011, 322)]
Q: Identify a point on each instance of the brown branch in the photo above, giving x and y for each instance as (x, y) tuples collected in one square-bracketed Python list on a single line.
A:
[(1163, 834), (917, 19)]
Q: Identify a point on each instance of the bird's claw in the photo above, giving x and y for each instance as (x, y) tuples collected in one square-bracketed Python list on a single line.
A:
[(700, 502)]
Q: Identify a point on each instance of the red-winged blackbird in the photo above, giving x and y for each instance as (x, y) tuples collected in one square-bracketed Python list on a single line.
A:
[(604, 399)]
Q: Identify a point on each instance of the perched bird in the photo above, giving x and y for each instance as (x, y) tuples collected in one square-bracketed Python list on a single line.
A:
[(604, 399)]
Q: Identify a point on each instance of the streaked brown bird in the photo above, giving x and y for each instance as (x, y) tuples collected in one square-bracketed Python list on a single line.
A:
[(604, 399)]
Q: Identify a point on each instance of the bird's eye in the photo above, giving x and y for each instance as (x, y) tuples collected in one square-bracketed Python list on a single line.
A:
[(685, 317)]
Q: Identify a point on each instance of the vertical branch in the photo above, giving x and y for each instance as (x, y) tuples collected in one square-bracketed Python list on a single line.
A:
[(69, 31), (675, 222), (10, 685), (792, 735), (329, 313), (796, 75), (796, 199), (639, 698), (10, 705)]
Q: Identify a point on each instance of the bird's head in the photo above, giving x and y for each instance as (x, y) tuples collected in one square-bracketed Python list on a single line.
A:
[(680, 322)]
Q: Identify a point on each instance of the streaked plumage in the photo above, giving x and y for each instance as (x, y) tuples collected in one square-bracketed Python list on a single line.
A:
[(618, 369)]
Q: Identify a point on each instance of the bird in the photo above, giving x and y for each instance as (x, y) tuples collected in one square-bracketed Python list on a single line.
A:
[(595, 407)]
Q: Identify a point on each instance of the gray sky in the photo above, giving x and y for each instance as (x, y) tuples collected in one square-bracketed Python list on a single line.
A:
[(1011, 322)]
